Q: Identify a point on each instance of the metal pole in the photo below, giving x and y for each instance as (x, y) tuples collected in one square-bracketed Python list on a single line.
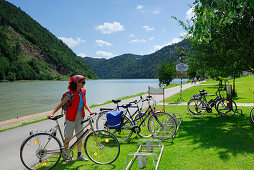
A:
[(181, 89)]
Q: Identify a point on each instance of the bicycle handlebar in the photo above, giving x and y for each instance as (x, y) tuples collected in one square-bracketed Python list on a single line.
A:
[(55, 117)]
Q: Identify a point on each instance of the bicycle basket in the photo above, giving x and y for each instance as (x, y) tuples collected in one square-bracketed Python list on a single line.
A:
[(196, 96), (114, 119)]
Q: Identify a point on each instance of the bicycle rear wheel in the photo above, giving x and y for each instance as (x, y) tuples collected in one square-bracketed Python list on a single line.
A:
[(224, 109), (252, 115), (102, 147), (144, 132), (124, 132), (196, 107), (40, 151), (101, 121), (162, 125)]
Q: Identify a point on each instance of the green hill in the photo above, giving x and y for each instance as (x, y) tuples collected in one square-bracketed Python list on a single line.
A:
[(130, 66), (28, 51)]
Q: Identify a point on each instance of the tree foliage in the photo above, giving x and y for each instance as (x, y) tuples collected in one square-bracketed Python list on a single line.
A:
[(166, 73)]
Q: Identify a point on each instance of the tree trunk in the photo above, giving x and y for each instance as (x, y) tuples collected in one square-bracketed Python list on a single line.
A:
[(233, 91)]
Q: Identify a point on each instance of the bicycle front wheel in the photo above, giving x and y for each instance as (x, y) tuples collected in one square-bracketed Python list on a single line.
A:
[(162, 125), (141, 118), (196, 107), (225, 109), (40, 151), (252, 115), (102, 147)]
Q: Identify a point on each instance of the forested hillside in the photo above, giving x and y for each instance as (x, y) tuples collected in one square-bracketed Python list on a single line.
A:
[(134, 66), (29, 51)]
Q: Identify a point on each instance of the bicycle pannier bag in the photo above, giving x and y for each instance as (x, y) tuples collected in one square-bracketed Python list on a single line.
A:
[(114, 119)]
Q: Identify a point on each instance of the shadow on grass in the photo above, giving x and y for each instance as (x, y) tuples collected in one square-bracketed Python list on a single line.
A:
[(233, 135), (82, 165)]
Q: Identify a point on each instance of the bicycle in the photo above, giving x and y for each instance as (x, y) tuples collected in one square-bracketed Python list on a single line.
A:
[(160, 124), (198, 105), (252, 115), (135, 118), (43, 150)]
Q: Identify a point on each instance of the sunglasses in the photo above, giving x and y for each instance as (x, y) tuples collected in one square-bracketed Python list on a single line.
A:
[(83, 82)]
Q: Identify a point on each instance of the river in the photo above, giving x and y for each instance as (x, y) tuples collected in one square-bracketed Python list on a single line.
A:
[(23, 98)]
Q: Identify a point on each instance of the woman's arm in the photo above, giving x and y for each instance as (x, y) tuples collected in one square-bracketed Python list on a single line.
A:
[(87, 107), (65, 99)]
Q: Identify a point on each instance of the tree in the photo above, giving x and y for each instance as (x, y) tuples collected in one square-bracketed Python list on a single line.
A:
[(166, 73), (222, 36)]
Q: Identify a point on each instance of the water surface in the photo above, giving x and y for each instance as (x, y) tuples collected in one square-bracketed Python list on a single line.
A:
[(23, 98)]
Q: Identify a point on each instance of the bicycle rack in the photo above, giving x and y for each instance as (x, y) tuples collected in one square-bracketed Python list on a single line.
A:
[(178, 119), (145, 148)]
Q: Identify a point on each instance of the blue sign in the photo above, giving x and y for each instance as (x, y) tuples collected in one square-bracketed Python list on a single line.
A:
[(181, 67)]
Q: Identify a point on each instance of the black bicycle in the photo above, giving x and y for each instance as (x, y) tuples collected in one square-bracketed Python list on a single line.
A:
[(43, 150), (159, 124), (198, 105)]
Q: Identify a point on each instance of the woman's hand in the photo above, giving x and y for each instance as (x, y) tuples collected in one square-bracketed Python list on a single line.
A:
[(50, 115), (91, 113)]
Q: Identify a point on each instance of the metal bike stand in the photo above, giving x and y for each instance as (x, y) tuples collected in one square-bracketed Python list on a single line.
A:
[(146, 147), (178, 119)]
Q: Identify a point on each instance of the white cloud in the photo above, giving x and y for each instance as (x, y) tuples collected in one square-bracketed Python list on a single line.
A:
[(147, 28), (138, 41), (157, 11), (82, 55), (131, 35), (151, 38), (108, 28), (72, 42), (190, 13), (102, 43), (140, 7), (105, 54)]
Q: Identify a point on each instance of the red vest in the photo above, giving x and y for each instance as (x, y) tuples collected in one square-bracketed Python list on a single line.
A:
[(72, 110)]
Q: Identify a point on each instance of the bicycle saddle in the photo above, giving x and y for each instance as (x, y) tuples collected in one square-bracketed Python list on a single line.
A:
[(202, 91), (126, 105), (116, 101)]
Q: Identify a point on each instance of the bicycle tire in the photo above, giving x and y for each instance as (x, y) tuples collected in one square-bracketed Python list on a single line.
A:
[(40, 151), (102, 147), (252, 115), (144, 131), (124, 132), (196, 107), (168, 128), (101, 121), (224, 110)]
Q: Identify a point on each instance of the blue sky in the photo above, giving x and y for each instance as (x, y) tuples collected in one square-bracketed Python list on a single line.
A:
[(107, 28)]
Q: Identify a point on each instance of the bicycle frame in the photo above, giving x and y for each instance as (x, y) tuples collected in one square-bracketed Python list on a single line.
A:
[(84, 134)]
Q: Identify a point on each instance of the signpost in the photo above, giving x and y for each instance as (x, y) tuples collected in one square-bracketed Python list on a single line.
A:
[(182, 68)]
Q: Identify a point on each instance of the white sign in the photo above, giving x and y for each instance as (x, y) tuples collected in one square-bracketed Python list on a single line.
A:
[(181, 67)]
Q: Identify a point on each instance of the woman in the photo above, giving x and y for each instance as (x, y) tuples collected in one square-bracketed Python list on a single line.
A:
[(75, 111)]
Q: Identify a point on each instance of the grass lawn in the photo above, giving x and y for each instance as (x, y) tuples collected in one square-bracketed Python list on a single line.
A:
[(244, 89), (207, 142)]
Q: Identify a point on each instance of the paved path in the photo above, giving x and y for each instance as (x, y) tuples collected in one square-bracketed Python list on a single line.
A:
[(11, 139)]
